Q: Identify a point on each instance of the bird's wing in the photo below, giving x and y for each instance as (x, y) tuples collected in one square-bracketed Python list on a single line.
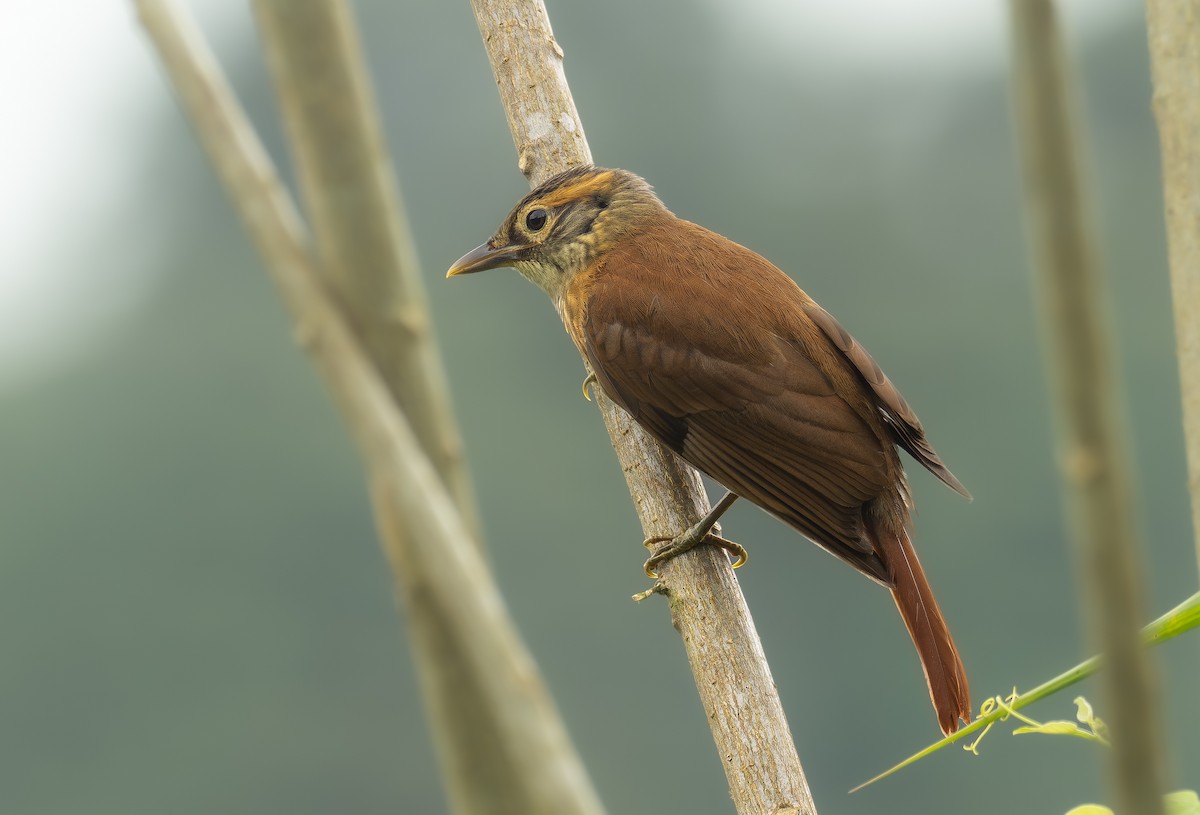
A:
[(900, 419), (763, 421)]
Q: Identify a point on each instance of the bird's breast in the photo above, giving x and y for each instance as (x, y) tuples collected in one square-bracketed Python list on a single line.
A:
[(574, 304)]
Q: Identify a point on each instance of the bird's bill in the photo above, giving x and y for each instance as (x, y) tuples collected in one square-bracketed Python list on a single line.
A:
[(483, 257)]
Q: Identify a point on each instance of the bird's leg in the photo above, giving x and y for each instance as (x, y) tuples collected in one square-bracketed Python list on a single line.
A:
[(700, 532)]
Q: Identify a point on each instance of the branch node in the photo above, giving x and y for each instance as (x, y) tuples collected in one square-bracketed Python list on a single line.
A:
[(659, 587), (525, 159), (305, 335), (412, 321)]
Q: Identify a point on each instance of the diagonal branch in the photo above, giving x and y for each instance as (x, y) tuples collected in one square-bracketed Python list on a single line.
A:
[(523, 747), (707, 607)]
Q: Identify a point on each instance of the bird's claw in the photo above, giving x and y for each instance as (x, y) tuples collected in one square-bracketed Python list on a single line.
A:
[(682, 543), (590, 380)]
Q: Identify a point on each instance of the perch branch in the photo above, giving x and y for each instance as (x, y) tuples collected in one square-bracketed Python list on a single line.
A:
[(438, 563), (1092, 448), (734, 681)]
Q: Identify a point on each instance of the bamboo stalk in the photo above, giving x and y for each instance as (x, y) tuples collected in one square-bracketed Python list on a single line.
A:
[(364, 247), (1174, 29), (440, 565), (731, 672), (1095, 465), (368, 260)]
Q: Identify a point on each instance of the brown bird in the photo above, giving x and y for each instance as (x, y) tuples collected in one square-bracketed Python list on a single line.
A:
[(727, 362)]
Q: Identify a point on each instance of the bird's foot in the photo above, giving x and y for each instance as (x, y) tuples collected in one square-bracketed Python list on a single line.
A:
[(689, 540), (591, 380)]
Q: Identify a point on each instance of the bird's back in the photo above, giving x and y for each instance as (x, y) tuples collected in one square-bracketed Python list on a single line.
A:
[(720, 356), (721, 362)]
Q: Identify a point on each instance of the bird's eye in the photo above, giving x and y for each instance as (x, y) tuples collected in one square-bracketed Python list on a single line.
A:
[(535, 220)]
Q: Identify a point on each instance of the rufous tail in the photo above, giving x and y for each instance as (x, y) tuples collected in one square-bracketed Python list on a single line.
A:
[(943, 668)]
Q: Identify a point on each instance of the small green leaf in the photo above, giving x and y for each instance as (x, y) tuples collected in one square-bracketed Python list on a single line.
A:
[(1091, 809), (1087, 716), (1053, 729), (1182, 802), (1084, 713)]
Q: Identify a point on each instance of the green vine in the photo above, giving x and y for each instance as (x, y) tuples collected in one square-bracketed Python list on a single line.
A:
[(1183, 617)]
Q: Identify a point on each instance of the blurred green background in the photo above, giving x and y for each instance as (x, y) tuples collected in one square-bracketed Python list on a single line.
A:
[(194, 613)]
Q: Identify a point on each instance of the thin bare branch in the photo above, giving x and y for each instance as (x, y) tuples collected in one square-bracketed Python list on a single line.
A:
[(1174, 28), (438, 562), (707, 607), (1092, 445)]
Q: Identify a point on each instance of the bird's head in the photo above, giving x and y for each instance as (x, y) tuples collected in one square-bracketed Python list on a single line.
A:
[(561, 227)]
